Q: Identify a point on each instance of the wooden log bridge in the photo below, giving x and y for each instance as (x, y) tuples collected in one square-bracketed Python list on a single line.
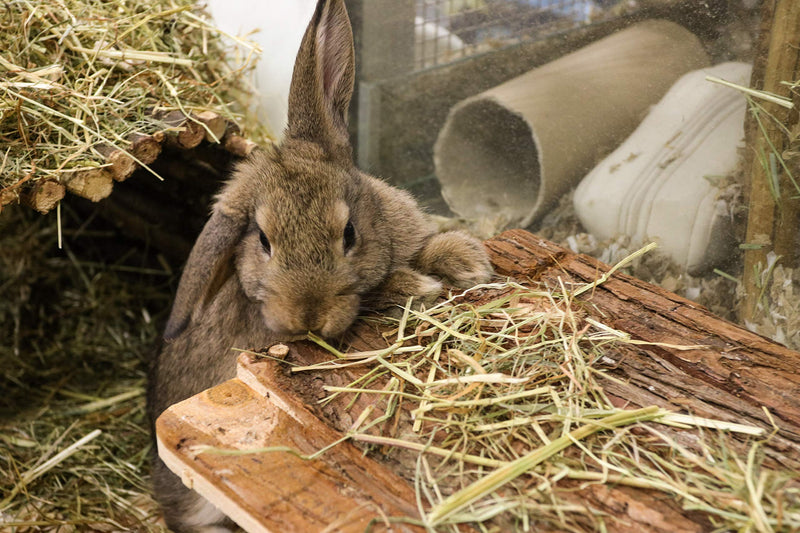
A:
[(182, 135), (734, 375)]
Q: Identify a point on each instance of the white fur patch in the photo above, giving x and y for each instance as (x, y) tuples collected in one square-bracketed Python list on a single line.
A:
[(204, 516), (429, 286)]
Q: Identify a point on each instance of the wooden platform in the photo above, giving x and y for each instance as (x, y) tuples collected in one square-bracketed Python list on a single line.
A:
[(737, 376), (277, 491)]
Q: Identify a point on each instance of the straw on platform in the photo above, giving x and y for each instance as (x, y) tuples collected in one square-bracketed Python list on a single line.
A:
[(506, 400)]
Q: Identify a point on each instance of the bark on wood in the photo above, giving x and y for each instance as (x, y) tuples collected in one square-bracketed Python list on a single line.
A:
[(44, 195), (772, 224), (733, 377)]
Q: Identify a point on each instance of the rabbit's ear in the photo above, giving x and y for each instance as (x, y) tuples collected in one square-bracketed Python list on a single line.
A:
[(323, 77), (209, 265)]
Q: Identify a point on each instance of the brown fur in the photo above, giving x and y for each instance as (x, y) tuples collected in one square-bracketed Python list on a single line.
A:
[(301, 196)]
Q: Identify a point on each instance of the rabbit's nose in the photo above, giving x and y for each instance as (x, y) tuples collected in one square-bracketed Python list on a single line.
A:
[(317, 322), (339, 316), (328, 327), (316, 326)]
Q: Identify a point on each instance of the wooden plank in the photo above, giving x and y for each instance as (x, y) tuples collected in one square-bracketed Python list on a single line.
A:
[(277, 491)]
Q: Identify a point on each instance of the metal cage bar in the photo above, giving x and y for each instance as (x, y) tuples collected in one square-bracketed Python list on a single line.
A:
[(447, 30)]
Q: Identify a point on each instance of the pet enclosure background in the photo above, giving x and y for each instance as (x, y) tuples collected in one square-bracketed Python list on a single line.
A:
[(417, 58), (448, 30)]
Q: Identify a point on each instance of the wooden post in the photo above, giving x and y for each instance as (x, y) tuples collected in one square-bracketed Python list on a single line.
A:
[(772, 225)]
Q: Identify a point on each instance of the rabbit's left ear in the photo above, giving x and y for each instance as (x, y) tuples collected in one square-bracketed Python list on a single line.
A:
[(208, 267), (323, 77)]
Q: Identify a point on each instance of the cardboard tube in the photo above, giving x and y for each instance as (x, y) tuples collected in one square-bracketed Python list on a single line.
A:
[(510, 152)]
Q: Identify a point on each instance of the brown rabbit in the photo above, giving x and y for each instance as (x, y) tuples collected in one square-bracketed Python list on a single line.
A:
[(299, 240)]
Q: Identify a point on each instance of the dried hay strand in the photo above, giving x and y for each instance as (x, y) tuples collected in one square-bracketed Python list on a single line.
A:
[(492, 403), (77, 327), (89, 90)]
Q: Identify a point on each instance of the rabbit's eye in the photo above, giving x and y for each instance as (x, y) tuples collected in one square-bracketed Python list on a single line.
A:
[(264, 242), (349, 236)]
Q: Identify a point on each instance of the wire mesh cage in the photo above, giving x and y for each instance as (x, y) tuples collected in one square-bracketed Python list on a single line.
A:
[(447, 30)]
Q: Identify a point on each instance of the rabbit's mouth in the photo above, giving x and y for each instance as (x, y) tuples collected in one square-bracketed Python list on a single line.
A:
[(328, 317), (291, 337)]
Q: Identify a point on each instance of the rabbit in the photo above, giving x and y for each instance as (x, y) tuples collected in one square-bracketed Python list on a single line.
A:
[(298, 240)]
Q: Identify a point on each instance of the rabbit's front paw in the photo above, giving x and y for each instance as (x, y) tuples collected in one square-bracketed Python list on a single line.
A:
[(458, 258), (401, 284)]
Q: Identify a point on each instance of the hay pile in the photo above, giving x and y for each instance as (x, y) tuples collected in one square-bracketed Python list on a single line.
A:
[(89, 90), (82, 83), (508, 417), (77, 328)]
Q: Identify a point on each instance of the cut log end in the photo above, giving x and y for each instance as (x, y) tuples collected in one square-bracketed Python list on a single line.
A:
[(185, 133), (121, 164), (7, 197), (94, 184), (146, 148), (238, 145), (44, 196), (278, 351), (215, 126), (189, 136)]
